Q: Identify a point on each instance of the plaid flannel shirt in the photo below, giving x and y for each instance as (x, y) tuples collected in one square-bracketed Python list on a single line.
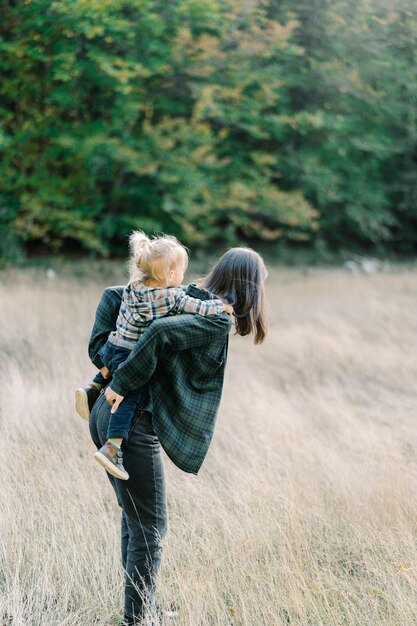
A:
[(179, 365), (141, 305)]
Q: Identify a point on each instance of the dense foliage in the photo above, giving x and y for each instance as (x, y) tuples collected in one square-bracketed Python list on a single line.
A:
[(215, 120)]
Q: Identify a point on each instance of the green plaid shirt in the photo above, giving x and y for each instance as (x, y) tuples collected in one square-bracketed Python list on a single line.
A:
[(179, 365), (142, 305)]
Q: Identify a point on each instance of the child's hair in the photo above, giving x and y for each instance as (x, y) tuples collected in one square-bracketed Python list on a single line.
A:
[(152, 259), (238, 277)]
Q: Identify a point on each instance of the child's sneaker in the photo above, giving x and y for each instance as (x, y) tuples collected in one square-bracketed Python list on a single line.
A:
[(84, 400), (111, 458)]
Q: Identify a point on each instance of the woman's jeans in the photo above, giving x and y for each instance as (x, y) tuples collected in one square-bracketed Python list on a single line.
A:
[(143, 502), (112, 356)]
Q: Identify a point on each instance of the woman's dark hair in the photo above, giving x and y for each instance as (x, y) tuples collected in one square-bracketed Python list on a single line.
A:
[(238, 277)]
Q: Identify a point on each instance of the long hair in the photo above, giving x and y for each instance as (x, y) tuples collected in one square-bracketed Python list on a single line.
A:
[(238, 277)]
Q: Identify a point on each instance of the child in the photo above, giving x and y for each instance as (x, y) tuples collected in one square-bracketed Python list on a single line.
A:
[(157, 267)]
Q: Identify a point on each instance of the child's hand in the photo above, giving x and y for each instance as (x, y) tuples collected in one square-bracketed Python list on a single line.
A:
[(113, 398), (227, 308), (105, 371)]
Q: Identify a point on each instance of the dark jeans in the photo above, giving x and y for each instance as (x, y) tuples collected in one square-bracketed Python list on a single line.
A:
[(99, 378), (143, 502), (112, 356)]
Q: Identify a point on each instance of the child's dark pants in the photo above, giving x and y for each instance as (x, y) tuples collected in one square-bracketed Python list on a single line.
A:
[(99, 379), (112, 356)]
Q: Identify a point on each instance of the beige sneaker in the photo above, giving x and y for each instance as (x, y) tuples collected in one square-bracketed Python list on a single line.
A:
[(84, 400)]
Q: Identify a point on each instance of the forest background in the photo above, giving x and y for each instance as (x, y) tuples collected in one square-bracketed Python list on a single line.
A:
[(219, 121)]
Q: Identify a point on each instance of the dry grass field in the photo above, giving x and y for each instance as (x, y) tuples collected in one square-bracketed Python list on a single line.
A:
[(305, 511)]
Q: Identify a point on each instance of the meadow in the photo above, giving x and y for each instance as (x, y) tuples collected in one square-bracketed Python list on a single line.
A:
[(305, 511)]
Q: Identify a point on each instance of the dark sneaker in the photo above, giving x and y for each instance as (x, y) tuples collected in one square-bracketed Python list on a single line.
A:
[(111, 458), (84, 400)]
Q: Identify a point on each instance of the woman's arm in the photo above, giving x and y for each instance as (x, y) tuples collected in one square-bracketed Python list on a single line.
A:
[(105, 322), (182, 332)]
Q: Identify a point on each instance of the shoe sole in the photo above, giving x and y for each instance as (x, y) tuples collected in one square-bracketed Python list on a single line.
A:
[(81, 404), (110, 467)]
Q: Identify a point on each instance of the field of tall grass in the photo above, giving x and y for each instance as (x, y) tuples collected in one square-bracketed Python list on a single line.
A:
[(305, 511)]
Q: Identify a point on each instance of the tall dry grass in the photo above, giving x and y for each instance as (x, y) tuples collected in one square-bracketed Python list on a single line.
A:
[(305, 511)]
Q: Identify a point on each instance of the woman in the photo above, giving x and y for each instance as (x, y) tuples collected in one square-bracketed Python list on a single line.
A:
[(179, 367)]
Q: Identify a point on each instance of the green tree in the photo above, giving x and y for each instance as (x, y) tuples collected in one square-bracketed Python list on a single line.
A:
[(218, 121), (118, 115), (351, 145)]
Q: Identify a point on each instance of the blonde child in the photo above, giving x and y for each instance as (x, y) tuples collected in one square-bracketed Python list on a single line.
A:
[(157, 268)]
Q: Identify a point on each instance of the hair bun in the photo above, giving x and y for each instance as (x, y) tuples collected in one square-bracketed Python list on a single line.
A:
[(138, 243)]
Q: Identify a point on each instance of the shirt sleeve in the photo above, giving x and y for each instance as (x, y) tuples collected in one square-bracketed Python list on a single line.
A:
[(105, 322), (187, 304), (180, 332), (163, 302)]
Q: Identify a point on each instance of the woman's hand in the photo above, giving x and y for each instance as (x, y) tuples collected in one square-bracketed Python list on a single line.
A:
[(113, 398), (227, 308)]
